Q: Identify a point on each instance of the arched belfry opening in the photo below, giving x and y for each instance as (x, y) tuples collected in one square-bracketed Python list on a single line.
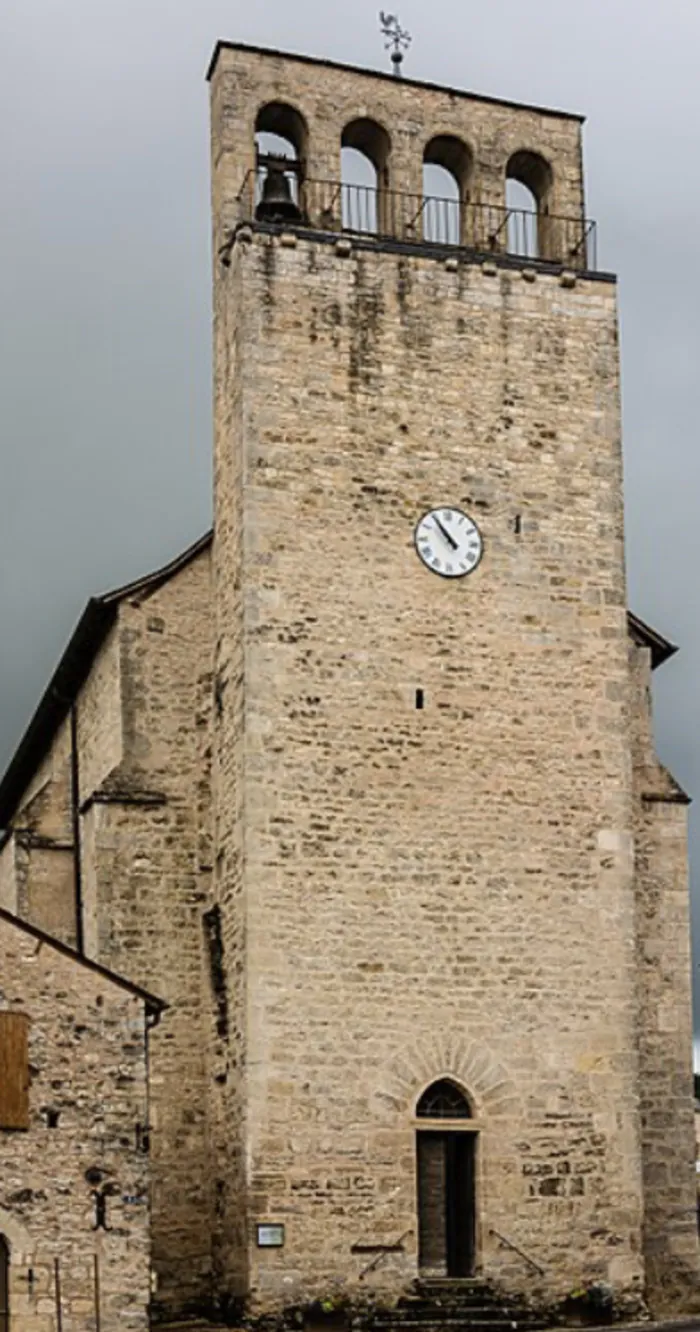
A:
[(447, 166), (365, 149), (4, 1285), (528, 187), (281, 141), (446, 1144)]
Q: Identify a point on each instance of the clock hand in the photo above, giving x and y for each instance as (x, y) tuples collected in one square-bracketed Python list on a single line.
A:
[(450, 540)]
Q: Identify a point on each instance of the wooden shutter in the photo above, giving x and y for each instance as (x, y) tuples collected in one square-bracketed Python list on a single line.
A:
[(14, 1071)]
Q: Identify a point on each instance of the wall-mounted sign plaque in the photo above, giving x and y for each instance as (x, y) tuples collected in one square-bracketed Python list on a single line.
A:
[(270, 1235)]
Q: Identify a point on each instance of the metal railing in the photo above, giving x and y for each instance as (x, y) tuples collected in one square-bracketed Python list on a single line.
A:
[(508, 1244), (381, 1252), (337, 207)]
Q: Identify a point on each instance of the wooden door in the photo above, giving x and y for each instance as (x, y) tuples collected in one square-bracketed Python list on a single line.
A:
[(446, 1203), (460, 1227), (4, 1286)]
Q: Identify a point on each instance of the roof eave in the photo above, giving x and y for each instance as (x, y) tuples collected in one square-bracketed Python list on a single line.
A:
[(223, 45), (661, 648), (55, 703), (71, 673), (152, 1002)]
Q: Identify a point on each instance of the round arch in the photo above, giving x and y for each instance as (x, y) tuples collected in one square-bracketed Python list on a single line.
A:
[(534, 172), (281, 145), (19, 1242), (529, 181), (453, 155), (284, 122), (365, 149), (368, 137), (447, 168)]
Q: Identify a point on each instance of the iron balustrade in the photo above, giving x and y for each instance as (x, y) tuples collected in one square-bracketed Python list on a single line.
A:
[(488, 228), (508, 1244)]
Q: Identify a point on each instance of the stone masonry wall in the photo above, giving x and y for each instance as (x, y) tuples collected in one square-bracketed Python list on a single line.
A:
[(87, 1058), (666, 1071), (418, 890), (38, 876), (330, 97), (229, 1051), (38, 863), (101, 741), (146, 871), (145, 896), (8, 876)]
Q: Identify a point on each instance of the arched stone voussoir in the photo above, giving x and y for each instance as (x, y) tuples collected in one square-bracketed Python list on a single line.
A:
[(469, 1063), (18, 1237)]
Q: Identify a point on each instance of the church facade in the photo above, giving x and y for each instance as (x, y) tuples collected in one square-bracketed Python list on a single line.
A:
[(360, 792)]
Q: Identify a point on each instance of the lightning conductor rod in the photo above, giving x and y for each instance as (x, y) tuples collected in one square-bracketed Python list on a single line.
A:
[(398, 41)]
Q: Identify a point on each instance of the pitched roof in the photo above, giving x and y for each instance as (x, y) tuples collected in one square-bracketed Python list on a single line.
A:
[(643, 634), (72, 672), (89, 635), (151, 1001)]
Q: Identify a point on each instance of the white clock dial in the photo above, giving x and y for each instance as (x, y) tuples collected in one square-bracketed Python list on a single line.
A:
[(448, 542)]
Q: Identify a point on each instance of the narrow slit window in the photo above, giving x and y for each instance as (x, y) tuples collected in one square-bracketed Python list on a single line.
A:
[(420, 700)]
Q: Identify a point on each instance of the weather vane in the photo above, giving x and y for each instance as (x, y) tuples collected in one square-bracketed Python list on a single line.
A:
[(399, 40)]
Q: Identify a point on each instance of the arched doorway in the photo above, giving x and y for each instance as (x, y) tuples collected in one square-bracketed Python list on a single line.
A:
[(4, 1285), (446, 1168)]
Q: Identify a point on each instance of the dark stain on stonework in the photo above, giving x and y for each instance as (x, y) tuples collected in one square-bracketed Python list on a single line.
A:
[(215, 945), (403, 287), (24, 1196), (366, 312), (333, 317), (268, 274)]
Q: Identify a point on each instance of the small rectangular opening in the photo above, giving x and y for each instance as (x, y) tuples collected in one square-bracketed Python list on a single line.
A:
[(517, 524), (420, 700)]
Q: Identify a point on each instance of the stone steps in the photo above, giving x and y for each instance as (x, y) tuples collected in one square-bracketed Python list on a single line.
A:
[(439, 1305), (492, 1313), (445, 1304), (450, 1313), (477, 1304), (191, 1325), (455, 1322)]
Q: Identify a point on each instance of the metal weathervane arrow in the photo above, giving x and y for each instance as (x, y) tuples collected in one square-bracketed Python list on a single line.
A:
[(399, 39)]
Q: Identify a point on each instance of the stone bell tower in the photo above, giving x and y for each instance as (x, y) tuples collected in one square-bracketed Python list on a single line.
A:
[(428, 1039)]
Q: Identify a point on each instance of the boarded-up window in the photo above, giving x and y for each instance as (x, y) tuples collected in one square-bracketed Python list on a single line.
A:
[(14, 1071)]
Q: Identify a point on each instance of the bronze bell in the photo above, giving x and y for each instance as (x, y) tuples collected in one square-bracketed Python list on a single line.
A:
[(277, 202)]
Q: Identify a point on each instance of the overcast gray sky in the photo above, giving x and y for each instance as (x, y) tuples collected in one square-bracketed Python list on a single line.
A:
[(105, 289)]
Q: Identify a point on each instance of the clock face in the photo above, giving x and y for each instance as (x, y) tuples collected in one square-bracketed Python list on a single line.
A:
[(448, 542)]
